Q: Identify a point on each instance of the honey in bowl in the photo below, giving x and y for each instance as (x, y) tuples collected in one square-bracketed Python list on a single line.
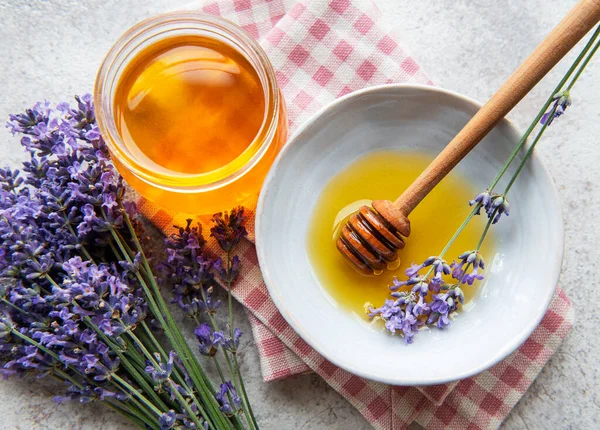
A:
[(383, 175)]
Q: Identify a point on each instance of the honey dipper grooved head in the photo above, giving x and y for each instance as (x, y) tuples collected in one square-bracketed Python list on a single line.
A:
[(372, 236), (393, 215)]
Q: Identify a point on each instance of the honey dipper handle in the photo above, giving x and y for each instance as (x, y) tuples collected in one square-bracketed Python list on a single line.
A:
[(578, 22)]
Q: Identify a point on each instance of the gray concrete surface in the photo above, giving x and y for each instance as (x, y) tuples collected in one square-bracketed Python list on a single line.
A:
[(51, 49)]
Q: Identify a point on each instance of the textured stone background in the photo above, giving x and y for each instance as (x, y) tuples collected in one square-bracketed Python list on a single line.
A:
[(52, 49)]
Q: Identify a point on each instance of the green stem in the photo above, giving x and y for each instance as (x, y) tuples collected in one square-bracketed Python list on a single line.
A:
[(542, 111), (116, 238), (220, 371), (129, 411), (57, 358), (247, 407), (52, 281), (132, 415), (180, 346), (12, 305), (532, 126), (185, 405), (66, 377), (153, 339), (132, 390), (150, 357), (460, 229), (149, 417), (139, 377), (46, 350), (125, 245), (585, 63), (159, 307), (135, 356), (485, 230), (236, 422), (149, 336), (244, 393), (529, 152), (145, 351)]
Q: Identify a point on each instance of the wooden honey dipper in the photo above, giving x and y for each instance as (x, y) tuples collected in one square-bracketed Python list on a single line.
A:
[(373, 235)]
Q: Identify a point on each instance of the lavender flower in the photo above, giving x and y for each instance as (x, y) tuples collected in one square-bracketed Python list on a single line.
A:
[(466, 270), (495, 205), (189, 270), (439, 311), (410, 327), (60, 308), (412, 271), (161, 372), (227, 274), (226, 391), (227, 342), (389, 309), (25, 122), (229, 228), (561, 102), (106, 394), (408, 311), (498, 207), (422, 284), (401, 315), (421, 307), (84, 395), (421, 287), (484, 199), (167, 420), (207, 340), (397, 284)]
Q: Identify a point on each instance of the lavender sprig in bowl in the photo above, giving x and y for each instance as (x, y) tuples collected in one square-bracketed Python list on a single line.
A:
[(470, 265)]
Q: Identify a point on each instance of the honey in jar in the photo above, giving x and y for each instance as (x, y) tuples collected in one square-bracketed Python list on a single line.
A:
[(191, 112), (189, 105), (384, 175)]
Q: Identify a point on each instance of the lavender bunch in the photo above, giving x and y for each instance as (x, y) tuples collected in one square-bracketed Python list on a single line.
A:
[(193, 273), (430, 297), (78, 298)]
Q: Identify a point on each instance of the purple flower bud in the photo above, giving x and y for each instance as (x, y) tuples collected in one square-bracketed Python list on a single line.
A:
[(561, 102), (229, 228), (421, 308), (413, 270), (207, 340), (226, 390), (225, 340), (466, 270), (421, 288), (483, 199), (167, 420), (162, 371)]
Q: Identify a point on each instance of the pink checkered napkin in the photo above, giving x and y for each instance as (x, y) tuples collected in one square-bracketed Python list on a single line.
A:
[(322, 50)]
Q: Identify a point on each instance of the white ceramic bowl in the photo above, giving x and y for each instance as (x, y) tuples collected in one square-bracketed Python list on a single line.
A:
[(521, 277)]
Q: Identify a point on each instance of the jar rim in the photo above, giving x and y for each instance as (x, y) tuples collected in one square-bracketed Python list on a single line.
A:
[(121, 54)]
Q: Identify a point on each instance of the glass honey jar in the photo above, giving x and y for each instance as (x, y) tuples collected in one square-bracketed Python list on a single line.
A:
[(191, 112)]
